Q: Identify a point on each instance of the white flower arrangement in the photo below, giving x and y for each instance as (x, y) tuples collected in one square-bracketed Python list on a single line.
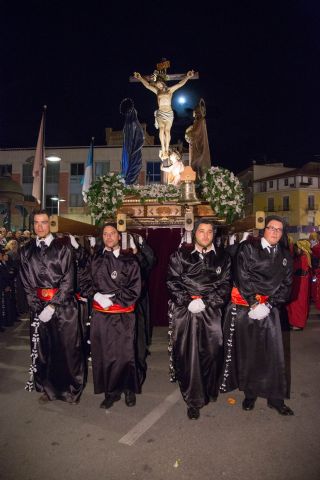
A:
[(107, 194), (222, 189), (157, 191)]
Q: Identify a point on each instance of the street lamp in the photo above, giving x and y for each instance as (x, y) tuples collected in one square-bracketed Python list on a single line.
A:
[(58, 200), (53, 158), (50, 158)]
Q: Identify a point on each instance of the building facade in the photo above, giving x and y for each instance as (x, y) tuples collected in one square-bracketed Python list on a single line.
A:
[(64, 179), (294, 195)]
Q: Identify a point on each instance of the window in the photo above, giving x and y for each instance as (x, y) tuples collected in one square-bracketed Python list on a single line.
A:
[(5, 170), (310, 181), (285, 203), (76, 200), (286, 182), (263, 186), (51, 205), (29, 198), (52, 172), (271, 184), (77, 169), (311, 202), (27, 173), (153, 172), (76, 181), (101, 168), (270, 204)]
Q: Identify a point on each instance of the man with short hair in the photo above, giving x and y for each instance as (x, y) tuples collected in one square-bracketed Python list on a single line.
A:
[(47, 274), (254, 356), (199, 284), (115, 287)]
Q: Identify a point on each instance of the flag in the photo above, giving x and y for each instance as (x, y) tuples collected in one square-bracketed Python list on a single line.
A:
[(88, 173), (38, 164)]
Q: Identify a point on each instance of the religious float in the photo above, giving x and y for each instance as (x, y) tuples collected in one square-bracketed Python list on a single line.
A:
[(190, 188)]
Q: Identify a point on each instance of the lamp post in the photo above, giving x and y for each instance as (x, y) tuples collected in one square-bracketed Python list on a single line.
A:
[(50, 158), (58, 200)]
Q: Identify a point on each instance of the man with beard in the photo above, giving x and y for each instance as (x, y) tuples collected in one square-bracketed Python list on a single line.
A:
[(116, 286), (199, 285), (47, 274), (254, 356)]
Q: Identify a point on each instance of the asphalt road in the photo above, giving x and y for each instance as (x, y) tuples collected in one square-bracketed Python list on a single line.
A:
[(155, 439)]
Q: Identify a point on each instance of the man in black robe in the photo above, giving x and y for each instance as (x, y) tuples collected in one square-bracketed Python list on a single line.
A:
[(116, 286), (199, 285), (47, 274), (254, 356)]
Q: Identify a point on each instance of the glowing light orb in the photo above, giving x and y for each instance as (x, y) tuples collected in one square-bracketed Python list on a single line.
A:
[(182, 100)]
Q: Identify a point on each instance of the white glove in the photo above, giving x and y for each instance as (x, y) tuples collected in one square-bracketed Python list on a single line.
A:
[(46, 314), (132, 244), (103, 299), (244, 236), (232, 239), (196, 305), (73, 241), (313, 243), (259, 312), (140, 240), (82, 299), (92, 242)]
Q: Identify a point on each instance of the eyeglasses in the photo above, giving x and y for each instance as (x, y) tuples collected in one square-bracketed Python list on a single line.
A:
[(275, 230)]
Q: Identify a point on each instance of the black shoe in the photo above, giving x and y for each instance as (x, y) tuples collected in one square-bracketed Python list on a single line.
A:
[(130, 398), (282, 409), (248, 404), (193, 413), (109, 401)]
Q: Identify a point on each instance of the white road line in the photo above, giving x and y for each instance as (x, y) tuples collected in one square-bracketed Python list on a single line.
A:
[(132, 436), (14, 368)]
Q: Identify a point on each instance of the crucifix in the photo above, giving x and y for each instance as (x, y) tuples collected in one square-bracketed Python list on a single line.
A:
[(157, 83)]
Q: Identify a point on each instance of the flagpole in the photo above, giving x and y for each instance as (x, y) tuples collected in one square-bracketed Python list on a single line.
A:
[(93, 175), (93, 172), (43, 161)]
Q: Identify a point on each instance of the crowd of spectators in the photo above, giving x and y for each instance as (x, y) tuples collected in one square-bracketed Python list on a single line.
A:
[(13, 303)]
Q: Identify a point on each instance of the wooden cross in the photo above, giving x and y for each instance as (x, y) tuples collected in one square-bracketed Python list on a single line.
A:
[(162, 71)]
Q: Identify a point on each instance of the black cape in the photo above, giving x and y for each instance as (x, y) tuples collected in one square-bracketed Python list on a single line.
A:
[(254, 355), (196, 339), (60, 365)]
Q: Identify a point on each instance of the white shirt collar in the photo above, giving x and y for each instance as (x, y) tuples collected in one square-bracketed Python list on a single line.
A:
[(115, 252), (266, 244), (199, 249), (47, 240)]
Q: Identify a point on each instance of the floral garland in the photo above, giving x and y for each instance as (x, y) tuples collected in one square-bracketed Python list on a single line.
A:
[(218, 186), (108, 192), (157, 191), (222, 189)]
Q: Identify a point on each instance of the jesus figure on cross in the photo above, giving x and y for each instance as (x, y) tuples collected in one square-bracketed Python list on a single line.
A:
[(164, 114)]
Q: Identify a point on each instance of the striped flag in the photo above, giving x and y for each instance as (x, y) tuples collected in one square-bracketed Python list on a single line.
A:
[(38, 164), (88, 173)]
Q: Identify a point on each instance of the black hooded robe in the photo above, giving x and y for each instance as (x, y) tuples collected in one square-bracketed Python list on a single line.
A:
[(60, 364), (196, 338), (254, 354)]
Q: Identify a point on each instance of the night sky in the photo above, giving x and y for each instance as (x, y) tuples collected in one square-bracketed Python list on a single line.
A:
[(258, 64)]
